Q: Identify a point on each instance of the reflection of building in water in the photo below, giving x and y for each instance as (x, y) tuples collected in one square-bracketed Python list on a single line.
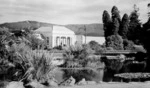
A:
[(57, 35)]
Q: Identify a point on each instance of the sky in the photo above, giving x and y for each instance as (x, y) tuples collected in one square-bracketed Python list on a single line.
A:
[(66, 11)]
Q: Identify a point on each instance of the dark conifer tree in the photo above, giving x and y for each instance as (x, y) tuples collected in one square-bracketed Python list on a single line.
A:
[(146, 35), (115, 14), (124, 25), (115, 26), (146, 43), (115, 20), (106, 24), (134, 26)]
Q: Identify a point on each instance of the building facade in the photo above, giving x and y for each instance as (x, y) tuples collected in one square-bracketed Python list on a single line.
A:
[(57, 36), (62, 36)]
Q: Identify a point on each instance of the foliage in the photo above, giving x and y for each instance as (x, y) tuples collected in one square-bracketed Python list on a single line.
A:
[(96, 47), (5, 63), (40, 66), (146, 35), (113, 65), (115, 13), (145, 39), (129, 27), (35, 43), (19, 62), (78, 51), (78, 54), (107, 24), (115, 26), (115, 41), (93, 44), (128, 45), (111, 27), (124, 26), (134, 26), (110, 48), (115, 20)]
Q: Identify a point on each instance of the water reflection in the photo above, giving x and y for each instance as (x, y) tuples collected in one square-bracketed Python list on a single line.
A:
[(89, 74), (103, 74)]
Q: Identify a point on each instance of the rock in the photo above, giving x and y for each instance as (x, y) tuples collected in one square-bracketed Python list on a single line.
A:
[(15, 84), (3, 84), (34, 84), (68, 82), (53, 82), (82, 82)]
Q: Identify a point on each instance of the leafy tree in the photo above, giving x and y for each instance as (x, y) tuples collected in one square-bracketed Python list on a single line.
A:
[(134, 26), (107, 24), (124, 26), (115, 41)]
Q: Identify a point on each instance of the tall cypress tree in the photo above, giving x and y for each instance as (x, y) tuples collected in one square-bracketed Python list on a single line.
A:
[(115, 20), (106, 24), (115, 26), (115, 13), (124, 25), (134, 26)]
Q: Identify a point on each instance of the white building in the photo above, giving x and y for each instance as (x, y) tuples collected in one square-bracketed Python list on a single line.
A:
[(57, 35), (81, 39), (62, 36)]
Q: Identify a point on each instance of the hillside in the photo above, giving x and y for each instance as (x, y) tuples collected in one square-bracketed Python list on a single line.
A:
[(91, 29), (24, 25)]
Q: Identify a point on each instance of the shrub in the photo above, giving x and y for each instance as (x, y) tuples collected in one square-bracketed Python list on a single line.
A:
[(78, 54), (115, 41), (128, 45), (96, 47), (19, 62), (40, 66)]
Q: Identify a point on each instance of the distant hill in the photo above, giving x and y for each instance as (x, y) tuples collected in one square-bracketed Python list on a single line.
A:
[(24, 25), (91, 29)]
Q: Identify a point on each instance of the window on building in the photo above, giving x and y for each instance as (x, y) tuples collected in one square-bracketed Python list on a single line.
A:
[(47, 40), (57, 41), (63, 41), (68, 41)]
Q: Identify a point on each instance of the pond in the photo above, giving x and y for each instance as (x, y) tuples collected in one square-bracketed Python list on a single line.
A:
[(105, 72), (89, 74)]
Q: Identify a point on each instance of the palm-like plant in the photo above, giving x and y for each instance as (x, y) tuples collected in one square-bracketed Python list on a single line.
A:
[(21, 61), (40, 66)]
